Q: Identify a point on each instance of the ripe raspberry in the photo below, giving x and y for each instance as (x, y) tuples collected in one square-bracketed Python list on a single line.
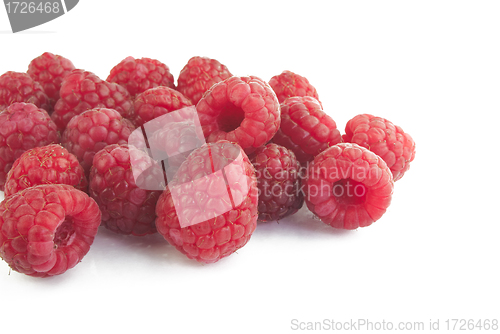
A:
[(20, 87), (50, 70), (139, 75), (305, 128), (92, 130), (47, 229), (125, 207), (242, 110), (199, 74), (347, 186), (23, 126), (383, 138), (288, 84), (82, 90), (51, 164), (278, 178), (173, 143), (156, 102), (209, 210)]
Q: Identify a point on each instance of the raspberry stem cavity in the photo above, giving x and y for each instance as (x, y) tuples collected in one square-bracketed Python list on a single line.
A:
[(230, 118), (65, 234), (349, 192)]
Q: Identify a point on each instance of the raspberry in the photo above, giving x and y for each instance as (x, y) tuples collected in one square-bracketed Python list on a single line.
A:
[(173, 143), (209, 210), (82, 90), (156, 102), (288, 84), (347, 186), (242, 110), (125, 207), (305, 128), (51, 164), (278, 178), (92, 130), (47, 229), (385, 139), (23, 126), (50, 70), (20, 87), (199, 74), (139, 75)]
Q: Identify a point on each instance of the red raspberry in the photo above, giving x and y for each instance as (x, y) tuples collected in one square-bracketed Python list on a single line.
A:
[(139, 75), (173, 143), (305, 128), (92, 130), (20, 87), (23, 126), (242, 110), (156, 102), (278, 178), (47, 229), (125, 207), (199, 74), (209, 210), (50, 70), (288, 84), (51, 164), (383, 138), (82, 90), (347, 186)]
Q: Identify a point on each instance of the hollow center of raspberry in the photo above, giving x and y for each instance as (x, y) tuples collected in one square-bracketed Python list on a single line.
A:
[(349, 192), (65, 234), (230, 118)]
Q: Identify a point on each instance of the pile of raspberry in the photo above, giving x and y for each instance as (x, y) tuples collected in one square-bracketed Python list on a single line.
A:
[(200, 162)]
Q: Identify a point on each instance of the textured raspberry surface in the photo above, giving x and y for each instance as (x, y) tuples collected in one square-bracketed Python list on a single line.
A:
[(242, 110), (20, 87), (199, 74), (51, 164), (288, 84), (347, 186), (156, 102), (50, 70), (125, 207), (279, 180), (173, 143), (92, 130), (47, 229), (305, 128), (385, 139), (139, 75), (22, 127), (212, 182), (82, 90)]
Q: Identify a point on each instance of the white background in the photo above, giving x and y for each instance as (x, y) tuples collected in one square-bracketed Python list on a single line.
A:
[(432, 67)]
